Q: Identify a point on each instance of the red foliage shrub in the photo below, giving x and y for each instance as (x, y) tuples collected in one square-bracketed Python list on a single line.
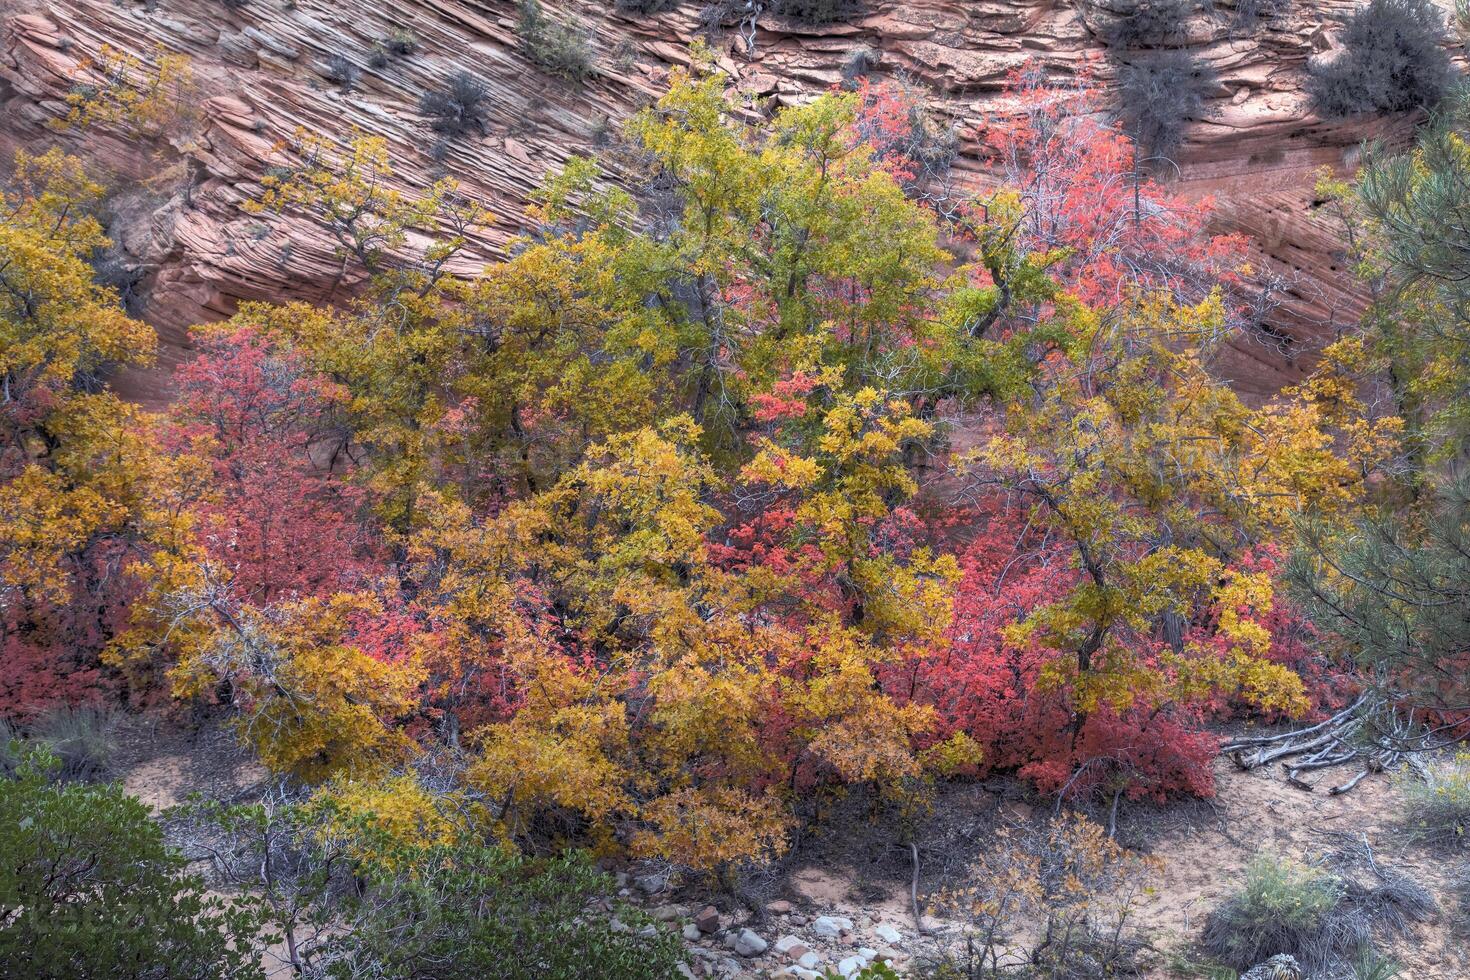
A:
[(278, 517), (1082, 191), (50, 653), (987, 687)]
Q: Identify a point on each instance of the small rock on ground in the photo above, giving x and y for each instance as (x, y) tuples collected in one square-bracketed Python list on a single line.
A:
[(1279, 967), (831, 926), (747, 943)]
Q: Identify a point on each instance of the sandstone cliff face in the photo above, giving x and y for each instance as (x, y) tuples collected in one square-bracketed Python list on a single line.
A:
[(261, 70)]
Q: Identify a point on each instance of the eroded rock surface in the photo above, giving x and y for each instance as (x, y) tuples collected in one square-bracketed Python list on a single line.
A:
[(262, 74)]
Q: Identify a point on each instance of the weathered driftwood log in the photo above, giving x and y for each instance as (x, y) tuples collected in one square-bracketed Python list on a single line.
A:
[(1376, 731)]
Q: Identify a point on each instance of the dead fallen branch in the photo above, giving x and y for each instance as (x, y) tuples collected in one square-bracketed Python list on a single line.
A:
[(1374, 731)]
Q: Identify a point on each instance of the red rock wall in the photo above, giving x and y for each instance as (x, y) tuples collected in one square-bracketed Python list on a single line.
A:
[(260, 74)]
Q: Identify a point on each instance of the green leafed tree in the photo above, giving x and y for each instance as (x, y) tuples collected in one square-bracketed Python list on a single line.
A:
[(1396, 585)]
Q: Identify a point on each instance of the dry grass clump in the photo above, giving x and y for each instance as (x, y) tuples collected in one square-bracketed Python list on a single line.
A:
[(81, 740), (1439, 805), (1324, 919)]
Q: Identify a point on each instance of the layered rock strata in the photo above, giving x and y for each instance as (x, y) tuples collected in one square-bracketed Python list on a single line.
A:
[(263, 71)]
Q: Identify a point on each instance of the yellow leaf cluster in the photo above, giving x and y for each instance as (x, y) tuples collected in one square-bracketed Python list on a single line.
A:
[(117, 88)]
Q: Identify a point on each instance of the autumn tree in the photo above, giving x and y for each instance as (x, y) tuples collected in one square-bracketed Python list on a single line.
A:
[(119, 90), (315, 694), (266, 607), (352, 191), (1083, 197), (670, 688), (638, 692), (589, 330), (392, 352), (893, 119), (637, 529), (760, 254), (1118, 499), (84, 488), (281, 515)]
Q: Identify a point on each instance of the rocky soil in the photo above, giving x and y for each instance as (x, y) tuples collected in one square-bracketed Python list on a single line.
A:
[(843, 901), (840, 917)]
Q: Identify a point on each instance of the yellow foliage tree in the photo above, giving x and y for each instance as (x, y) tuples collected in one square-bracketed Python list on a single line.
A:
[(313, 702), (120, 89), (1156, 476), (84, 488)]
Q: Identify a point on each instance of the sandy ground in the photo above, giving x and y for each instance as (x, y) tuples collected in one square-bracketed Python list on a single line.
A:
[(162, 763), (1205, 847), (1257, 811)]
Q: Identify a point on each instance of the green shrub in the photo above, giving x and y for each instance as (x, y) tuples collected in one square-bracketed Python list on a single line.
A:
[(88, 889), (1324, 920), (515, 918), (875, 971), (1438, 811), (1159, 95), (1393, 60), (401, 43), (563, 49), (356, 901), (1283, 908)]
